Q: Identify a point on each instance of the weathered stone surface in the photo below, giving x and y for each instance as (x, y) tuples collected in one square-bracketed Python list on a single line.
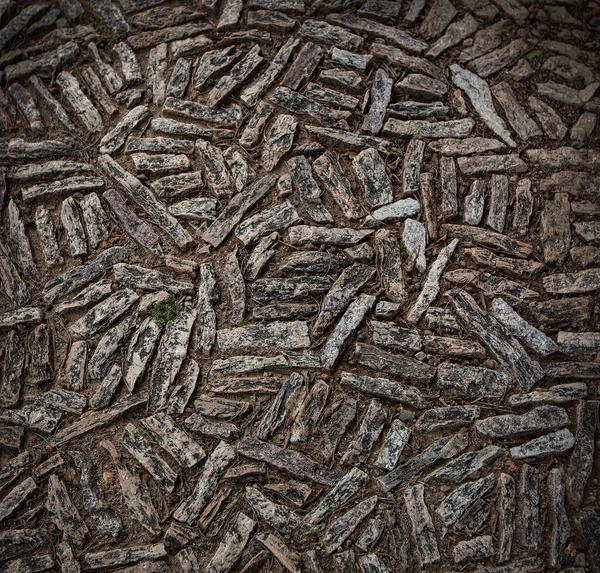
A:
[(535, 421), (572, 283), (394, 364), (461, 468), (559, 394), (560, 527), (344, 526), (459, 128), (280, 335)]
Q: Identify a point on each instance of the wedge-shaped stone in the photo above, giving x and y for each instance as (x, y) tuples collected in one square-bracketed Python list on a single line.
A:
[(135, 277), (347, 141), (303, 66), (216, 429), (423, 532), (63, 400), (343, 414), (309, 415), (279, 517), (455, 33), (394, 364), (270, 289), (371, 427), (469, 146), (572, 283), (518, 268), (490, 239), (114, 140), (344, 526), (504, 347), (515, 113), (498, 59), (536, 421), (80, 103), (216, 465), (325, 33), (288, 559), (276, 218), (300, 466), (381, 93)]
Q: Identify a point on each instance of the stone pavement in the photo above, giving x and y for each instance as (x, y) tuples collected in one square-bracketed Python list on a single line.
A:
[(299, 286)]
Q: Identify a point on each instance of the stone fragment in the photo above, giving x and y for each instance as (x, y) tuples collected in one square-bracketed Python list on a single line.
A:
[(553, 443), (328, 34), (480, 95), (64, 514), (371, 173), (581, 461), (560, 528), (82, 106), (368, 433), (498, 202), (358, 62), (346, 141), (271, 289), (423, 532), (550, 121), (172, 350), (456, 32), (224, 117), (280, 335), (344, 526), (572, 283), (309, 415), (288, 559), (385, 388), (116, 557), (528, 334), (132, 73), (15, 542), (469, 146), (535, 421), (516, 115), (498, 59), (299, 465), (448, 417), (475, 549), (394, 364), (464, 466), (457, 503), (347, 325), (558, 394), (381, 92), (459, 128), (343, 413)]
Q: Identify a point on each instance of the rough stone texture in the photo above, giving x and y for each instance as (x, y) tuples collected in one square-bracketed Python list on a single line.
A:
[(331, 255)]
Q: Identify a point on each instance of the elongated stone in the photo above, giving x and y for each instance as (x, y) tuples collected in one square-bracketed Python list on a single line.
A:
[(553, 443), (346, 141), (19, 243), (396, 365), (560, 528), (288, 559), (232, 214), (447, 417), (343, 527), (172, 350), (258, 87), (390, 265), (134, 277), (220, 407), (224, 117), (461, 468), (107, 389), (28, 108), (281, 335), (215, 467), (422, 526), (455, 33), (371, 173), (481, 98), (529, 506), (232, 545), (299, 465), (343, 290), (459, 128), (385, 388), (95, 219), (45, 229), (331, 35), (371, 427), (284, 406), (73, 373), (270, 289), (457, 503), (345, 328), (505, 348), (136, 496), (71, 222), (64, 514), (132, 224), (391, 336), (309, 415), (80, 103), (175, 441), (103, 314), (370, 28), (277, 516), (211, 63), (431, 287), (15, 542), (506, 516), (142, 196), (304, 106), (344, 412), (528, 334), (276, 218), (14, 498), (130, 68), (65, 400), (572, 283), (328, 169), (103, 517), (116, 557), (303, 66), (582, 457), (516, 115), (538, 420), (183, 392), (558, 394), (381, 93)]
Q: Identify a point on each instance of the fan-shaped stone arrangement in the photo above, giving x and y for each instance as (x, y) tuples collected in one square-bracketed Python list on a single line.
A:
[(299, 286)]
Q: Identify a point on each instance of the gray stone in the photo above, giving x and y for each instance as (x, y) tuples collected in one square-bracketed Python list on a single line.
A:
[(459, 128), (457, 503), (558, 394), (423, 531), (344, 526), (385, 388), (461, 468), (535, 421), (475, 549), (560, 528), (368, 433)]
